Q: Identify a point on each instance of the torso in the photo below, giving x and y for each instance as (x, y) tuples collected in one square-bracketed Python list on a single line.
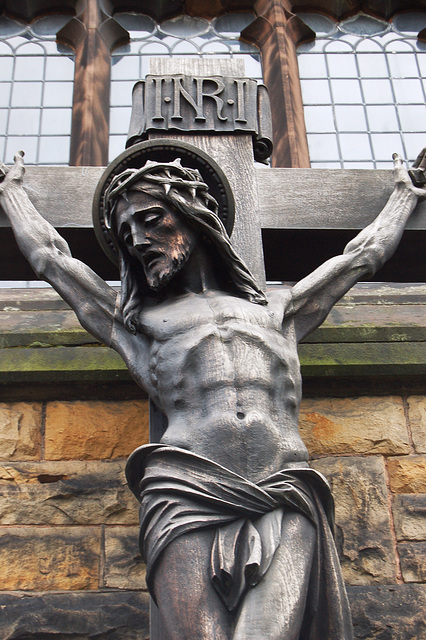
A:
[(227, 378)]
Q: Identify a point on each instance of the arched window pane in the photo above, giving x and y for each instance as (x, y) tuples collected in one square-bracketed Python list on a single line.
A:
[(137, 24), (183, 37), (410, 23), (185, 27), (36, 90), (375, 75), (363, 25)]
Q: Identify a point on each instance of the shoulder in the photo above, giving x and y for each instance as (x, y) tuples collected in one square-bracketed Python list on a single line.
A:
[(280, 299)]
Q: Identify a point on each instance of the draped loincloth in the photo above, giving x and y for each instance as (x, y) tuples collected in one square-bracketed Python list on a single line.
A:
[(181, 492)]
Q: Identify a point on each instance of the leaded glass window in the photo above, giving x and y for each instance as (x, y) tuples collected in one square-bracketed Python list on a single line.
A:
[(183, 37), (36, 89), (364, 90)]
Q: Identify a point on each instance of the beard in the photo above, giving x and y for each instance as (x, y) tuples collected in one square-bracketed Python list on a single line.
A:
[(168, 265)]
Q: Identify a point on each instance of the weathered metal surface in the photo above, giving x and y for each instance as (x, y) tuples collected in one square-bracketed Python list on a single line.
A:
[(137, 156), (209, 103)]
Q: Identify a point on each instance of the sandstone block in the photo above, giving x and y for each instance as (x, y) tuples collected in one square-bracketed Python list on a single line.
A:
[(396, 612), (66, 493), (409, 513), (124, 567), (417, 416), (95, 430), (363, 533), (366, 425), (49, 558), (407, 474), (75, 616), (413, 563), (20, 431)]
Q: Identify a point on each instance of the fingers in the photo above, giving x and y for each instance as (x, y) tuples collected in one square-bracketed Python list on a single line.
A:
[(18, 169), (421, 157), (399, 170), (397, 160), (402, 176), (14, 173), (3, 172), (19, 156)]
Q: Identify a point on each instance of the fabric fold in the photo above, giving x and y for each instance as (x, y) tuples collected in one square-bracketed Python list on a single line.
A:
[(181, 492)]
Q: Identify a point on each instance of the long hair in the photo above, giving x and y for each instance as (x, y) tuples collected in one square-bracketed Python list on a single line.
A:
[(184, 190)]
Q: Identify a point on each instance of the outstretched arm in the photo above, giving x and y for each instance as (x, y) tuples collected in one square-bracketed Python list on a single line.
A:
[(49, 255), (314, 296)]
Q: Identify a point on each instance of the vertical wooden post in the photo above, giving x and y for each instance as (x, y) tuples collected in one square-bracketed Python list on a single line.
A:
[(234, 153), (277, 32), (92, 33)]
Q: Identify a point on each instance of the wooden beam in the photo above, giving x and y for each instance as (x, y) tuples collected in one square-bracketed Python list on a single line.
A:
[(326, 198), (288, 198), (307, 216)]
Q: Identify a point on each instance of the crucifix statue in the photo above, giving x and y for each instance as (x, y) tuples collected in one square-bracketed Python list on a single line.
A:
[(236, 529)]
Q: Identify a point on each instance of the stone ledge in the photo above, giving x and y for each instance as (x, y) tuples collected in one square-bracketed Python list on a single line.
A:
[(91, 364), (363, 358), (374, 330), (393, 612)]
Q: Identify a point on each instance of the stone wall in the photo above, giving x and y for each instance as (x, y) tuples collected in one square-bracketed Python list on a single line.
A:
[(372, 450), (68, 524), (69, 556)]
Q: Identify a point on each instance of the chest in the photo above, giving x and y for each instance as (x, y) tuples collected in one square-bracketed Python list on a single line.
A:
[(213, 312)]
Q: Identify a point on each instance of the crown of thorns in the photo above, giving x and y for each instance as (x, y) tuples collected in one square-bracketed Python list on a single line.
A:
[(165, 175)]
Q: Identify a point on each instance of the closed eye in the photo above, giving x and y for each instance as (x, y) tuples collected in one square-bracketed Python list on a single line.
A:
[(152, 217)]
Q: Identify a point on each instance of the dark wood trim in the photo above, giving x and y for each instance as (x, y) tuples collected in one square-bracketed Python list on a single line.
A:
[(337, 9), (341, 9), (28, 10), (92, 33), (277, 32)]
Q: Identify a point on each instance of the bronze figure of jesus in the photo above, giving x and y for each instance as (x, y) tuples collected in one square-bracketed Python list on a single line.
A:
[(235, 526)]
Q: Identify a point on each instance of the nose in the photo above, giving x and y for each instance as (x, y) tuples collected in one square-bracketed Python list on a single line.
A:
[(140, 238)]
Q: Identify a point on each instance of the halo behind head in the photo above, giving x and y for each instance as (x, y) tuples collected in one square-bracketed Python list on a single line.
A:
[(193, 163)]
